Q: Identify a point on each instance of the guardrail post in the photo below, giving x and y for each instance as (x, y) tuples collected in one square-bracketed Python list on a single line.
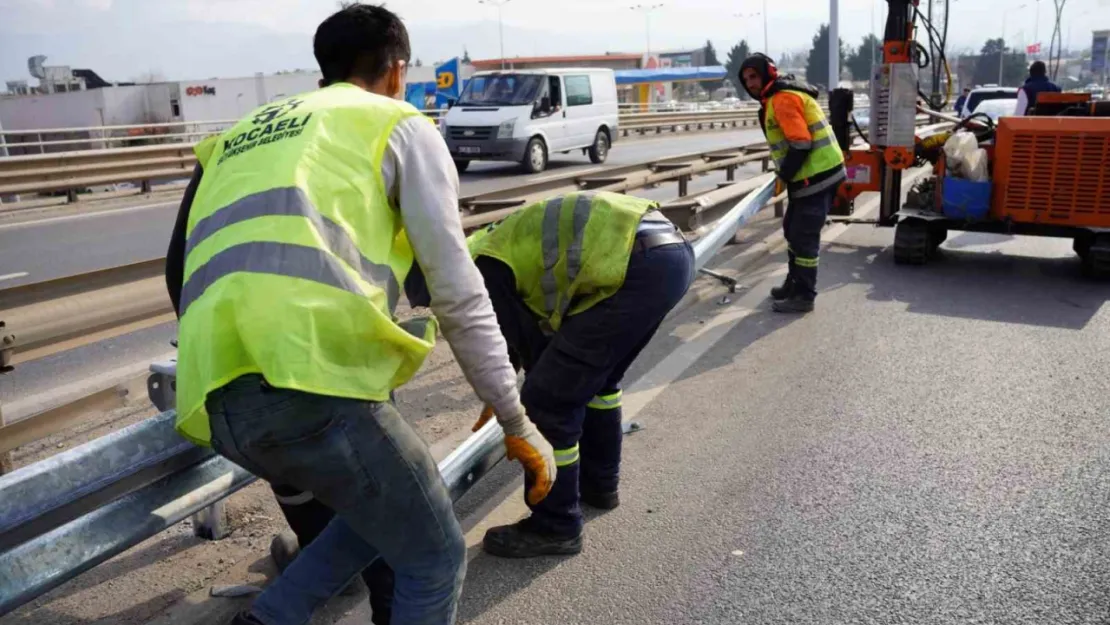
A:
[(145, 187), (730, 173), (211, 522), (71, 195), (683, 186), (6, 457)]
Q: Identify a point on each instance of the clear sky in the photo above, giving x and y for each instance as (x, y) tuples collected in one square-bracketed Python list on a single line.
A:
[(190, 39)]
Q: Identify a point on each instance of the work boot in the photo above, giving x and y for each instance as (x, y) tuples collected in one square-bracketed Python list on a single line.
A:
[(793, 304), (784, 291), (600, 500), (523, 540), (284, 549)]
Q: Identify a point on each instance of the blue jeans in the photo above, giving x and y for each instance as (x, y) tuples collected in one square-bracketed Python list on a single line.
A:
[(364, 462)]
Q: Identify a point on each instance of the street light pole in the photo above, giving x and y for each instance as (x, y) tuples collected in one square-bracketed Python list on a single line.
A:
[(500, 24), (647, 9), (765, 49)]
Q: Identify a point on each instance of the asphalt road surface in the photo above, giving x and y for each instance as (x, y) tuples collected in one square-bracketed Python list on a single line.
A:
[(930, 446), (60, 246)]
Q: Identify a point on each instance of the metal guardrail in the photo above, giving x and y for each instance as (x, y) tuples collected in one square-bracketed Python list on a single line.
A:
[(49, 317), (67, 514), (105, 137), (77, 170)]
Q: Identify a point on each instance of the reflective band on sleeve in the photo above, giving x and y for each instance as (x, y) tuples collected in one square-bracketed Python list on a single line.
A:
[(294, 500), (292, 201), (822, 142), (780, 146), (280, 259), (818, 126), (808, 263), (606, 402), (564, 457), (550, 251)]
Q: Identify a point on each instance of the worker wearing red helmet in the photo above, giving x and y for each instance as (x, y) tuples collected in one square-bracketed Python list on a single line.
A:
[(810, 167)]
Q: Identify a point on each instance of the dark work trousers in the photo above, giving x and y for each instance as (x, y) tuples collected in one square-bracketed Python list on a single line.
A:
[(805, 218), (307, 517), (573, 378)]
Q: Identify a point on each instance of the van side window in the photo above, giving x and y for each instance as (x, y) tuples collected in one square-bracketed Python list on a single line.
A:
[(556, 92), (578, 90)]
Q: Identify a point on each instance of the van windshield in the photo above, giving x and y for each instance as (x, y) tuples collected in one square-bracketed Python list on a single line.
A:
[(502, 90)]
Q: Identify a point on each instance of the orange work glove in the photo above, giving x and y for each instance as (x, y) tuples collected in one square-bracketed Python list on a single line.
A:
[(524, 442), (780, 186)]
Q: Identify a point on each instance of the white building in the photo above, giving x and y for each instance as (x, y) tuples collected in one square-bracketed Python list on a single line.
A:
[(216, 99)]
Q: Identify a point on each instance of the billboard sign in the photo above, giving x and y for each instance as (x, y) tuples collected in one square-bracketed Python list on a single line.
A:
[(447, 83), (1099, 47)]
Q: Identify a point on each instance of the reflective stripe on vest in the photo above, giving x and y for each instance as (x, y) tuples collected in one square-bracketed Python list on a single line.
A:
[(552, 212), (566, 457), (288, 260), (606, 402), (824, 151)]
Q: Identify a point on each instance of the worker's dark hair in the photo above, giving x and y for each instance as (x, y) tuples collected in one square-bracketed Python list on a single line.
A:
[(1038, 69), (360, 41)]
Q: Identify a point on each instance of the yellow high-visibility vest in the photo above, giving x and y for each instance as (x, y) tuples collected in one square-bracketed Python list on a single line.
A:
[(295, 257), (567, 253), (825, 154)]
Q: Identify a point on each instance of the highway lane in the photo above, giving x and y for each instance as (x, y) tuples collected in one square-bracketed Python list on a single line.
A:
[(929, 447), (60, 246)]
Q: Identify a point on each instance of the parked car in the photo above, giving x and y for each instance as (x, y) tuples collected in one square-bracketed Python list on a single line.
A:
[(989, 92)]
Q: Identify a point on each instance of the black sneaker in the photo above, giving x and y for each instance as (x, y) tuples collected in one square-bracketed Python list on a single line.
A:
[(793, 304), (245, 618), (784, 291), (521, 540), (599, 500)]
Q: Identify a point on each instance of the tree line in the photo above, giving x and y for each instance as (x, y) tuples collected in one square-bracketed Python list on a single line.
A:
[(858, 62)]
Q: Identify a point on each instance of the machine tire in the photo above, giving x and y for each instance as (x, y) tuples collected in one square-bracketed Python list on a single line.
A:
[(599, 151), (535, 157), (937, 236), (1082, 246), (461, 165), (912, 242), (1096, 264)]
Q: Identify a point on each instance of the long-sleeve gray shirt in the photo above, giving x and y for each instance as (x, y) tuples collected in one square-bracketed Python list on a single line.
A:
[(421, 179)]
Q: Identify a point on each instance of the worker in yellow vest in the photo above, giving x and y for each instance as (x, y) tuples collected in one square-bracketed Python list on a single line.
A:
[(580, 284), (810, 166), (287, 261)]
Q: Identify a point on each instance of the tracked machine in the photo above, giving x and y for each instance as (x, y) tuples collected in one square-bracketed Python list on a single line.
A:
[(1049, 172)]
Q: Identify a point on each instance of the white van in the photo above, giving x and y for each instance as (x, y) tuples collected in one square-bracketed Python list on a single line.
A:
[(527, 115)]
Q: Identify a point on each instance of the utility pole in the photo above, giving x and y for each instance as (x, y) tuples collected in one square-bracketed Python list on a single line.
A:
[(834, 44), (647, 10), (1002, 48), (500, 24)]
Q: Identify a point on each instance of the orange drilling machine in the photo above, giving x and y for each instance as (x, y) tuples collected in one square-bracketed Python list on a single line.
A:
[(1049, 172)]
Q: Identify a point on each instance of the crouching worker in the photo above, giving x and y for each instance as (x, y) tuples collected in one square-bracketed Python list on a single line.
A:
[(580, 284)]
